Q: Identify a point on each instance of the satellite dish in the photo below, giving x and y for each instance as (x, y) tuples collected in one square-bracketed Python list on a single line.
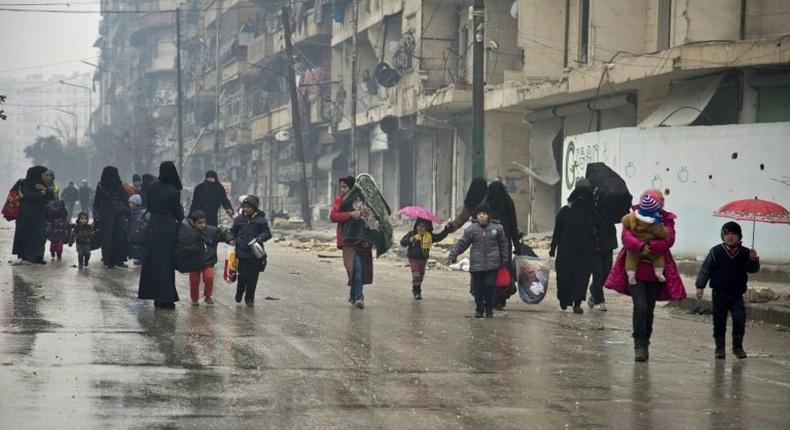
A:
[(388, 124), (386, 75), (282, 136)]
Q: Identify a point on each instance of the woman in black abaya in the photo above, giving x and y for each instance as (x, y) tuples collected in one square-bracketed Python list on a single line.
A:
[(111, 211), (574, 244), (158, 277), (29, 236), (503, 210)]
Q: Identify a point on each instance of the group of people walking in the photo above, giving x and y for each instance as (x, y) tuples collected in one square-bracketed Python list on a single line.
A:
[(583, 243)]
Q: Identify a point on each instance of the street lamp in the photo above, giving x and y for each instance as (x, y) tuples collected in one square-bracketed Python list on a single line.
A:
[(90, 120)]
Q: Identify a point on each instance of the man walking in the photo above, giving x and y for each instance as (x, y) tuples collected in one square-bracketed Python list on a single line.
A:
[(70, 197), (208, 197), (86, 197)]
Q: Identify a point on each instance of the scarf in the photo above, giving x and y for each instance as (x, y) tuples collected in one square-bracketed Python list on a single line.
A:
[(373, 227), (427, 241)]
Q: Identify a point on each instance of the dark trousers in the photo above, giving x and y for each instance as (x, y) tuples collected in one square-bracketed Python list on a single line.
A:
[(417, 267), (644, 295), (83, 253), (248, 272), (724, 302), (483, 284), (602, 265)]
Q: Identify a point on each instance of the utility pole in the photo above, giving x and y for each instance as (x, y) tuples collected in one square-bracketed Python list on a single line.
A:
[(179, 95), (219, 80), (478, 84), (296, 121), (354, 74)]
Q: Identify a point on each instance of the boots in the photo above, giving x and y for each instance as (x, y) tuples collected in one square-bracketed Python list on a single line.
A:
[(737, 347), (720, 354), (641, 353)]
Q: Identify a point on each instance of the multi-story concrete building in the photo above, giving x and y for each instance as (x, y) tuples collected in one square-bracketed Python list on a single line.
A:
[(553, 70)]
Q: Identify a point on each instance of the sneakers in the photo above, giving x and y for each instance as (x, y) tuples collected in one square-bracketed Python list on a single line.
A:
[(600, 307), (577, 309), (359, 304), (209, 301), (250, 303), (737, 347), (417, 294), (489, 313), (195, 304), (478, 313)]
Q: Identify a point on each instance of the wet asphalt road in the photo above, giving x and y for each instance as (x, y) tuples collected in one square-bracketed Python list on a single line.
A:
[(79, 351)]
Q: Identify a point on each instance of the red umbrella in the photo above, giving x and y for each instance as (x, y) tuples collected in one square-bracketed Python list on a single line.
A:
[(754, 210), (415, 212)]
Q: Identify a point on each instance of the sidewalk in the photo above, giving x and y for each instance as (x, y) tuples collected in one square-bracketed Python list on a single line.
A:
[(776, 278)]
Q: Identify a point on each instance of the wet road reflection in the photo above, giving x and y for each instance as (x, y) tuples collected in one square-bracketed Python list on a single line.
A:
[(98, 358)]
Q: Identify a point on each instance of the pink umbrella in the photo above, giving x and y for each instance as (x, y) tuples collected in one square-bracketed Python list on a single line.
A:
[(415, 212)]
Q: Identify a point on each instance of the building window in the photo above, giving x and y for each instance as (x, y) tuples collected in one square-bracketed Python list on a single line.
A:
[(584, 31), (663, 24)]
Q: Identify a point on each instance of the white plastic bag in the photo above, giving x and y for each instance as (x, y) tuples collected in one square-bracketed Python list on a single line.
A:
[(532, 278)]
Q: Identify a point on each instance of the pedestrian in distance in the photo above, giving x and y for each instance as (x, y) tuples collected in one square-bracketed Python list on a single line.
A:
[(86, 197), (573, 244), (418, 244), (209, 195), (81, 233), (489, 252), (210, 237), (111, 213), (30, 233), (137, 184), (49, 181), (58, 233), (648, 288), (726, 267), (70, 196), (352, 260), (158, 276), (138, 224), (248, 228)]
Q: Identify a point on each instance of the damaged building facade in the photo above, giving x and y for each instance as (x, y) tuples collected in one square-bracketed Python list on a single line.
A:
[(553, 69)]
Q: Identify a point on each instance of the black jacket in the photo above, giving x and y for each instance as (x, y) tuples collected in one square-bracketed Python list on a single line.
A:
[(245, 229), (211, 237), (414, 249), (727, 272), (70, 195), (208, 197)]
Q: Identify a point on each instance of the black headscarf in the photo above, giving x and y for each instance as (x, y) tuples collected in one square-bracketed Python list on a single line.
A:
[(169, 175), (34, 174), (111, 180), (148, 179), (475, 194), (349, 181), (213, 174), (580, 203), (502, 206)]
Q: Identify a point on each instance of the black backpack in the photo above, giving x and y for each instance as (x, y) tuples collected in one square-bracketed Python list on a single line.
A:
[(189, 249), (609, 192)]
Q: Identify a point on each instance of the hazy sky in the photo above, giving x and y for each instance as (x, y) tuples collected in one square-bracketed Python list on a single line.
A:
[(34, 38)]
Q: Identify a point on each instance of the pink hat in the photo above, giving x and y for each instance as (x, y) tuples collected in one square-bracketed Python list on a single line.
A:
[(654, 193)]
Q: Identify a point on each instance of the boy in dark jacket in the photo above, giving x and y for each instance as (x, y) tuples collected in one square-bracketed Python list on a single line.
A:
[(211, 237), (726, 267), (418, 243), (249, 226), (489, 253), (81, 234)]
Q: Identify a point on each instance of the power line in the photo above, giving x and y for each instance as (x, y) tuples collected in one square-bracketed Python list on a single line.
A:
[(47, 65)]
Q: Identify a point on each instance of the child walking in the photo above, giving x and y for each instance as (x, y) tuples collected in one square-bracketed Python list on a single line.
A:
[(726, 267), (418, 244), (81, 234), (489, 253), (248, 227), (58, 229), (211, 237)]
